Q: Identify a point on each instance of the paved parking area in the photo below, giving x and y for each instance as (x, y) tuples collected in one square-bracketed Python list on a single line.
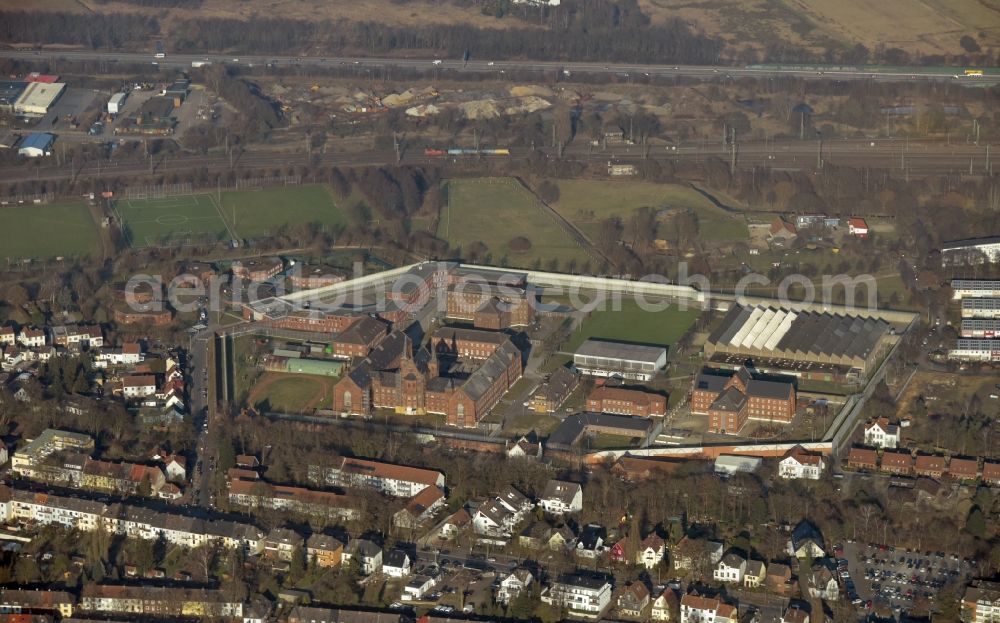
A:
[(898, 576), (73, 102)]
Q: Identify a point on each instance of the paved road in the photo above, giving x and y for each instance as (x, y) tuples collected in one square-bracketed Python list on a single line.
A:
[(498, 66), (201, 392), (898, 156)]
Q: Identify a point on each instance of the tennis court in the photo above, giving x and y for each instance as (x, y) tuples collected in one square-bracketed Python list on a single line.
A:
[(172, 221)]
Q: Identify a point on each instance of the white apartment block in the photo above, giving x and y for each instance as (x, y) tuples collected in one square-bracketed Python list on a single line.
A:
[(582, 596)]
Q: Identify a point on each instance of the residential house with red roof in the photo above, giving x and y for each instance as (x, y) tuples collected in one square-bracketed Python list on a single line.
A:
[(929, 465), (897, 462), (862, 458)]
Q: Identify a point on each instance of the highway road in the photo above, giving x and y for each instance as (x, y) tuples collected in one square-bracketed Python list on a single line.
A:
[(917, 158), (498, 66)]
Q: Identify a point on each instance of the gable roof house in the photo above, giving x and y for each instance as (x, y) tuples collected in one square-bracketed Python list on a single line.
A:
[(512, 585), (778, 578), (698, 609), (806, 541), (822, 583), (366, 553), (561, 497), (562, 538), (524, 449), (862, 458), (963, 469), (731, 568), (651, 551), (497, 517), (897, 462), (880, 433), (755, 575), (781, 231), (800, 463), (665, 606), (591, 542), (396, 564), (632, 599), (453, 523), (930, 466)]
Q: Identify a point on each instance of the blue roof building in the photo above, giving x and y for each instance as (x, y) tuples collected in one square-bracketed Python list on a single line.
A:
[(36, 145)]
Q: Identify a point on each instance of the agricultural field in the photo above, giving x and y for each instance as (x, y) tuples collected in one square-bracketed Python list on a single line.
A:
[(585, 203), (495, 213), (291, 393), (633, 324), (171, 221), (926, 26), (47, 231), (261, 213)]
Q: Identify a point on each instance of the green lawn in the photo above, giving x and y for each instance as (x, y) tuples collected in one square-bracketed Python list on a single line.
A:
[(632, 324), (171, 221), (261, 213), (586, 202), (289, 393), (495, 213), (46, 231)]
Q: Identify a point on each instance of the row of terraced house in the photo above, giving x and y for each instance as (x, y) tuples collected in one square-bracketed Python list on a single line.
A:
[(905, 463)]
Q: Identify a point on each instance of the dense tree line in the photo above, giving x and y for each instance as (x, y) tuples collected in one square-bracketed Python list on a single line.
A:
[(615, 39), (94, 30), (161, 4)]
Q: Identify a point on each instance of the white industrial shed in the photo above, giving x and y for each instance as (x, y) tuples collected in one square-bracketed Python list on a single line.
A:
[(37, 98)]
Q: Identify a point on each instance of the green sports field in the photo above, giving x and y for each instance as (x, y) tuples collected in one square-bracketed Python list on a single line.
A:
[(494, 213), (586, 203), (634, 324), (172, 221), (261, 213), (46, 231)]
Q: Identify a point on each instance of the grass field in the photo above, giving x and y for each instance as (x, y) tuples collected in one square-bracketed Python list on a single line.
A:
[(171, 221), (46, 231), (633, 324), (292, 393), (494, 214), (587, 202), (261, 213), (927, 26)]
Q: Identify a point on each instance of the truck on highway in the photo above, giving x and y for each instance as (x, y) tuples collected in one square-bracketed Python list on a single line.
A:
[(200, 63), (974, 73)]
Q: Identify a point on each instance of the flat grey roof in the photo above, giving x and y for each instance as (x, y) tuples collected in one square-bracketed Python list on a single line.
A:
[(621, 350), (975, 284), (572, 427), (969, 242)]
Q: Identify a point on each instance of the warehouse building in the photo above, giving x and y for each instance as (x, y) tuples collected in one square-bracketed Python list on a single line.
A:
[(10, 91), (37, 98), (975, 288), (36, 145), (981, 308), (975, 350), (804, 344), (577, 426), (980, 327), (971, 251), (637, 362)]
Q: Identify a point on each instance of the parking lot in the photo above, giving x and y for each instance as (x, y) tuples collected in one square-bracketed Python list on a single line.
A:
[(72, 104), (898, 576)]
